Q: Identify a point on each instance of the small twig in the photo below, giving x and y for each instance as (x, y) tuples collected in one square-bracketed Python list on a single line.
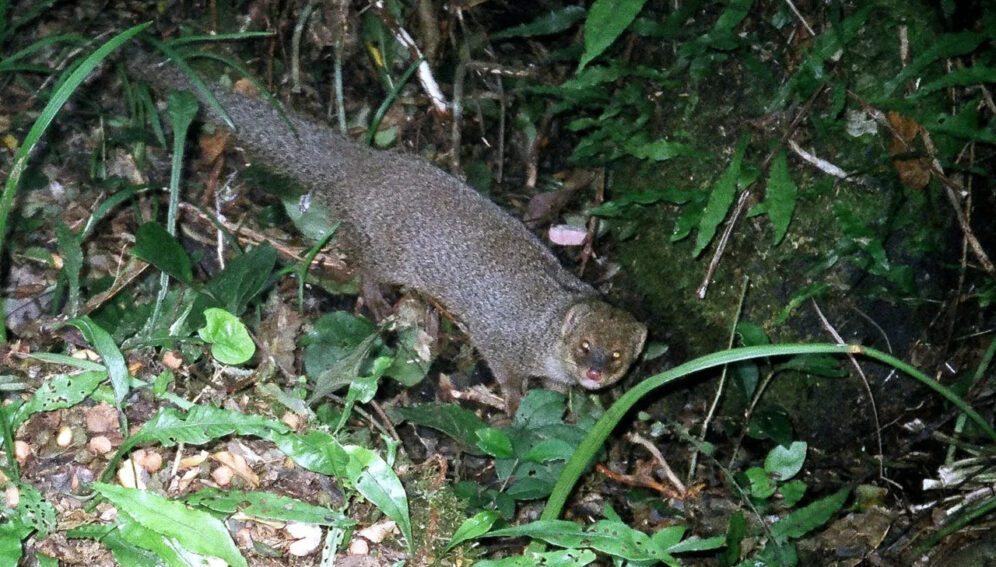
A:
[(864, 380), (641, 481), (951, 188), (456, 131), (589, 241), (722, 382), (659, 457), (296, 46), (428, 82), (741, 205), (802, 20), (819, 163)]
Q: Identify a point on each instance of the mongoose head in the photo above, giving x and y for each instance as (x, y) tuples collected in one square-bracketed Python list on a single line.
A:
[(599, 342)]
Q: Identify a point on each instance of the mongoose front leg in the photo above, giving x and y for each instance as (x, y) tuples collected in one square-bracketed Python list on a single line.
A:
[(511, 385)]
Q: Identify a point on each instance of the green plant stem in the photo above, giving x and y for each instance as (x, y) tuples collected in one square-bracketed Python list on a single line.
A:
[(391, 97), (600, 432), (10, 464)]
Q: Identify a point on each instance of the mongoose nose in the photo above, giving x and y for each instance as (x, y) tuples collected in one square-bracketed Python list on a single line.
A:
[(593, 374)]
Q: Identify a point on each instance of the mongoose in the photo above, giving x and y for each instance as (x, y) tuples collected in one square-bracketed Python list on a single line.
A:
[(406, 222)]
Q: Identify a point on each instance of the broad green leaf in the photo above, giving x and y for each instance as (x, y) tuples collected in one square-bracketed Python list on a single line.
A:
[(230, 341), (792, 492), (780, 197), (665, 537), (771, 423), (736, 531), (103, 343), (720, 199), (606, 21), (553, 22), (197, 531), (549, 450), (244, 278), (759, 483), (804, 520), (752, 334), (381, 486), (267, 506), (454, 421), (786, 462), (333, 337), (59, 392), (161, 249), (473, 528), (495, 442), (12, 532), (316, 451), (133, 544)]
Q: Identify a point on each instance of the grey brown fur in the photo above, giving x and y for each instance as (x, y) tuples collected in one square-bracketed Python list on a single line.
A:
[(409, 223)]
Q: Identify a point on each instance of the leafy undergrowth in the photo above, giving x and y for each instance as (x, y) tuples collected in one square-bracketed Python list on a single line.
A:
[(186, 383)]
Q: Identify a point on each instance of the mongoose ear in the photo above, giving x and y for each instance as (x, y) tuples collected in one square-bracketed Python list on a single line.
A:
[(574, 314), (641, 340)]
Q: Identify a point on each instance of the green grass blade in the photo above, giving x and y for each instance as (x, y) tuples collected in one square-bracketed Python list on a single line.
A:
[(59, 98), (600, 432)]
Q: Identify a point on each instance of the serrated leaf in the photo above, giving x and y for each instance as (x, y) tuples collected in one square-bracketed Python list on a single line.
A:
[(720, 199), (943, 47), (659, 150), (804, 520), (964, 77), (59, 392), (113, 360), (780, 197), (201, 425), (34, 511), (267, 506), (606, 21), (697, 544), (786, 462), (161, 249), (472, 528), (792, 492), (230, 341), (197, 531), (553, 22)]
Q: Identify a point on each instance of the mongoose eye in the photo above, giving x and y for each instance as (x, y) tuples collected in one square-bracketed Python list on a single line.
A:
[(616, 355), (585, 346)]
